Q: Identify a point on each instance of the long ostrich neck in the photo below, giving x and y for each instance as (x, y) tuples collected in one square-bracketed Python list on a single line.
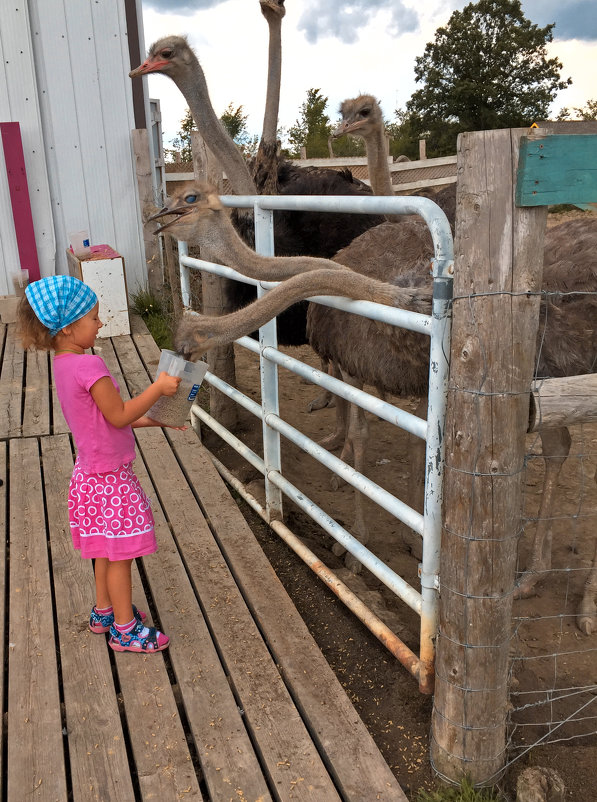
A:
[(224, 329), (274, 78), (194, 89), (377, 161), (216, 236), (265, 168)]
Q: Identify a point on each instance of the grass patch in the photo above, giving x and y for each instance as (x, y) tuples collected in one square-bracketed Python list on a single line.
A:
[(465, 792), (157, 317)]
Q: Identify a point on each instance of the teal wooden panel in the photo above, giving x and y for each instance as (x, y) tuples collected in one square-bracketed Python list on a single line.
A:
[(557, 169)]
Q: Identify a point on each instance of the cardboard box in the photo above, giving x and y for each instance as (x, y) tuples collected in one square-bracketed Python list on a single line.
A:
[(8, 308), (104, 273)]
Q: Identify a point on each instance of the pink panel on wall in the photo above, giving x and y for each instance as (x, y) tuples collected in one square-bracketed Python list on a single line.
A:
[(19, 196)]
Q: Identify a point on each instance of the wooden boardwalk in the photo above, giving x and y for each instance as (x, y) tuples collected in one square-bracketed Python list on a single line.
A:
[(242, 707)]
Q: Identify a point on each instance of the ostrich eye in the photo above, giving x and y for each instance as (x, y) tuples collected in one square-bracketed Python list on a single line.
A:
[(365, 112), (190, 198), (166, 53)]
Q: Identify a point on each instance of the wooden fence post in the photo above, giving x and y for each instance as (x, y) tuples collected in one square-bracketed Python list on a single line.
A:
[(147, 202), (498, 260), (215, 297)]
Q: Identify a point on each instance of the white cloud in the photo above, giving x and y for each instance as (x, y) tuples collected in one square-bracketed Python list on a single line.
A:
[(231, 41)]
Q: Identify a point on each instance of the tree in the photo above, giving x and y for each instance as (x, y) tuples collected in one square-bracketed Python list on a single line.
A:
[(588, 112), (312, 129), (181, 144), (233, 120), (488, 68), (404, 134), (235, 123)]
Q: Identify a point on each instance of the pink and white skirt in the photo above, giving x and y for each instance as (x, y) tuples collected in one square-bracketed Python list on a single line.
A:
[(109, 514)]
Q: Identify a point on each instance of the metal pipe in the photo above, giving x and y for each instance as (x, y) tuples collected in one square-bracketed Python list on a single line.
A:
[(393, 505), (414, 321), (268, 374), (373, 623), (185, 274)]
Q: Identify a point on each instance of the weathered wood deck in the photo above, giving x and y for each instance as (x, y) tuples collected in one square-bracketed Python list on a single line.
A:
[(242, 706)]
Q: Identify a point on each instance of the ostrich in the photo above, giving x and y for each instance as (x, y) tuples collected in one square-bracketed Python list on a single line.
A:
[(296, 233), (569, 250), (569, 255)]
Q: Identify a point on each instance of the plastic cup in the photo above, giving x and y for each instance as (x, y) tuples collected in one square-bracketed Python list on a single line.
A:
[(79, 243), (20, 279), (174, 410)]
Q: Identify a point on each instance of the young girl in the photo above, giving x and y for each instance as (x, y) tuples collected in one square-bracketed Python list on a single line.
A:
[(110, 516)]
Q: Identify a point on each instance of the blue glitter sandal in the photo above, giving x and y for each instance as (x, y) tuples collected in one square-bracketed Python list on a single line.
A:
[(139, 639), (102, 623)]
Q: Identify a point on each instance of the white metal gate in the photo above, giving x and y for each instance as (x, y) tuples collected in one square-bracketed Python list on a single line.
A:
[(437, 327)]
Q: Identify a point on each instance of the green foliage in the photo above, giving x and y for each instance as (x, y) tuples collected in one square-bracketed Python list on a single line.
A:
[(233, 120), (404, 135), (182, 143), (312, 129), (588, 112), (156, 316), (465, 792), (235, 123), (487, 68)]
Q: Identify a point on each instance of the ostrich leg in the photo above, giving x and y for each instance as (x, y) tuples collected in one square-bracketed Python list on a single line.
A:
[(556, 447), (325, 398), (586, 618), (357, 436)]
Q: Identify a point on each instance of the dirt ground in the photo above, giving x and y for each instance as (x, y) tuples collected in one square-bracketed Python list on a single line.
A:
[(383, 692), (554, 665)]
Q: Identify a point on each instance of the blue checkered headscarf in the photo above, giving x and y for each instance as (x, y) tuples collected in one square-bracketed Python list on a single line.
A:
[(60, 300)]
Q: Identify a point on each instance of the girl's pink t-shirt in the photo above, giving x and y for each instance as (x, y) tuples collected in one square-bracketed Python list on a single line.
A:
[(101, 446)]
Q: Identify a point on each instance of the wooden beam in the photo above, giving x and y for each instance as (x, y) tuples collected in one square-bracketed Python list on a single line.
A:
[(497, 276), (567, 401), (16, 173), (147, 202)]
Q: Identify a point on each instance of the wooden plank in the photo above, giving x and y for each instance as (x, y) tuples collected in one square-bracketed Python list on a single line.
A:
[(3, 563), (557, 168), (286, 748), (333, 722), (59, 425), (35, 756), (284, 744), (99, 763), (497, 279), (226, 754), (36, 408), (11, 384)]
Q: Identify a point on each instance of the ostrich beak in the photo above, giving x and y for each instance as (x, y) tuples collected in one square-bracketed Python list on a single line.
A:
[(177, 212), (346, 128), (149, 65)]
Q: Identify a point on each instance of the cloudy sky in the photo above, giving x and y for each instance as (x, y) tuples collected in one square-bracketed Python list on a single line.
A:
[(342, 47)]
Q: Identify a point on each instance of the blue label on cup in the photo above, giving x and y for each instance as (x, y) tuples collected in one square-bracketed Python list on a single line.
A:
[(86, 243), (194, 391)]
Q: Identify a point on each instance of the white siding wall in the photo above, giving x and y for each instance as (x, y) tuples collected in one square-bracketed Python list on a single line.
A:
[(80, 70), (19, 102)]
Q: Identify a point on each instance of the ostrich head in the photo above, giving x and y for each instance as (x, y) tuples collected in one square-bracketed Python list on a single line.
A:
[(170, 55), (272, 9), (360, 117), (191, 205)]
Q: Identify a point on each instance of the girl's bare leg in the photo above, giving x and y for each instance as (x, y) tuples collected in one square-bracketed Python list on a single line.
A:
[(120, 590), (102, 597)]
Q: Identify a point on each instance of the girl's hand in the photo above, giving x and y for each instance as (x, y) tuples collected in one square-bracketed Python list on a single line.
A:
[(168, 385)]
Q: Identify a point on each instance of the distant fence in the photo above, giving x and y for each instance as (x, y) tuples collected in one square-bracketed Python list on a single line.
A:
[(406, 176)]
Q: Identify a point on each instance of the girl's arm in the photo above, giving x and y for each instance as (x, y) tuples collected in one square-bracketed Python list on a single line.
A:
[(122, 413), (145, 421)]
